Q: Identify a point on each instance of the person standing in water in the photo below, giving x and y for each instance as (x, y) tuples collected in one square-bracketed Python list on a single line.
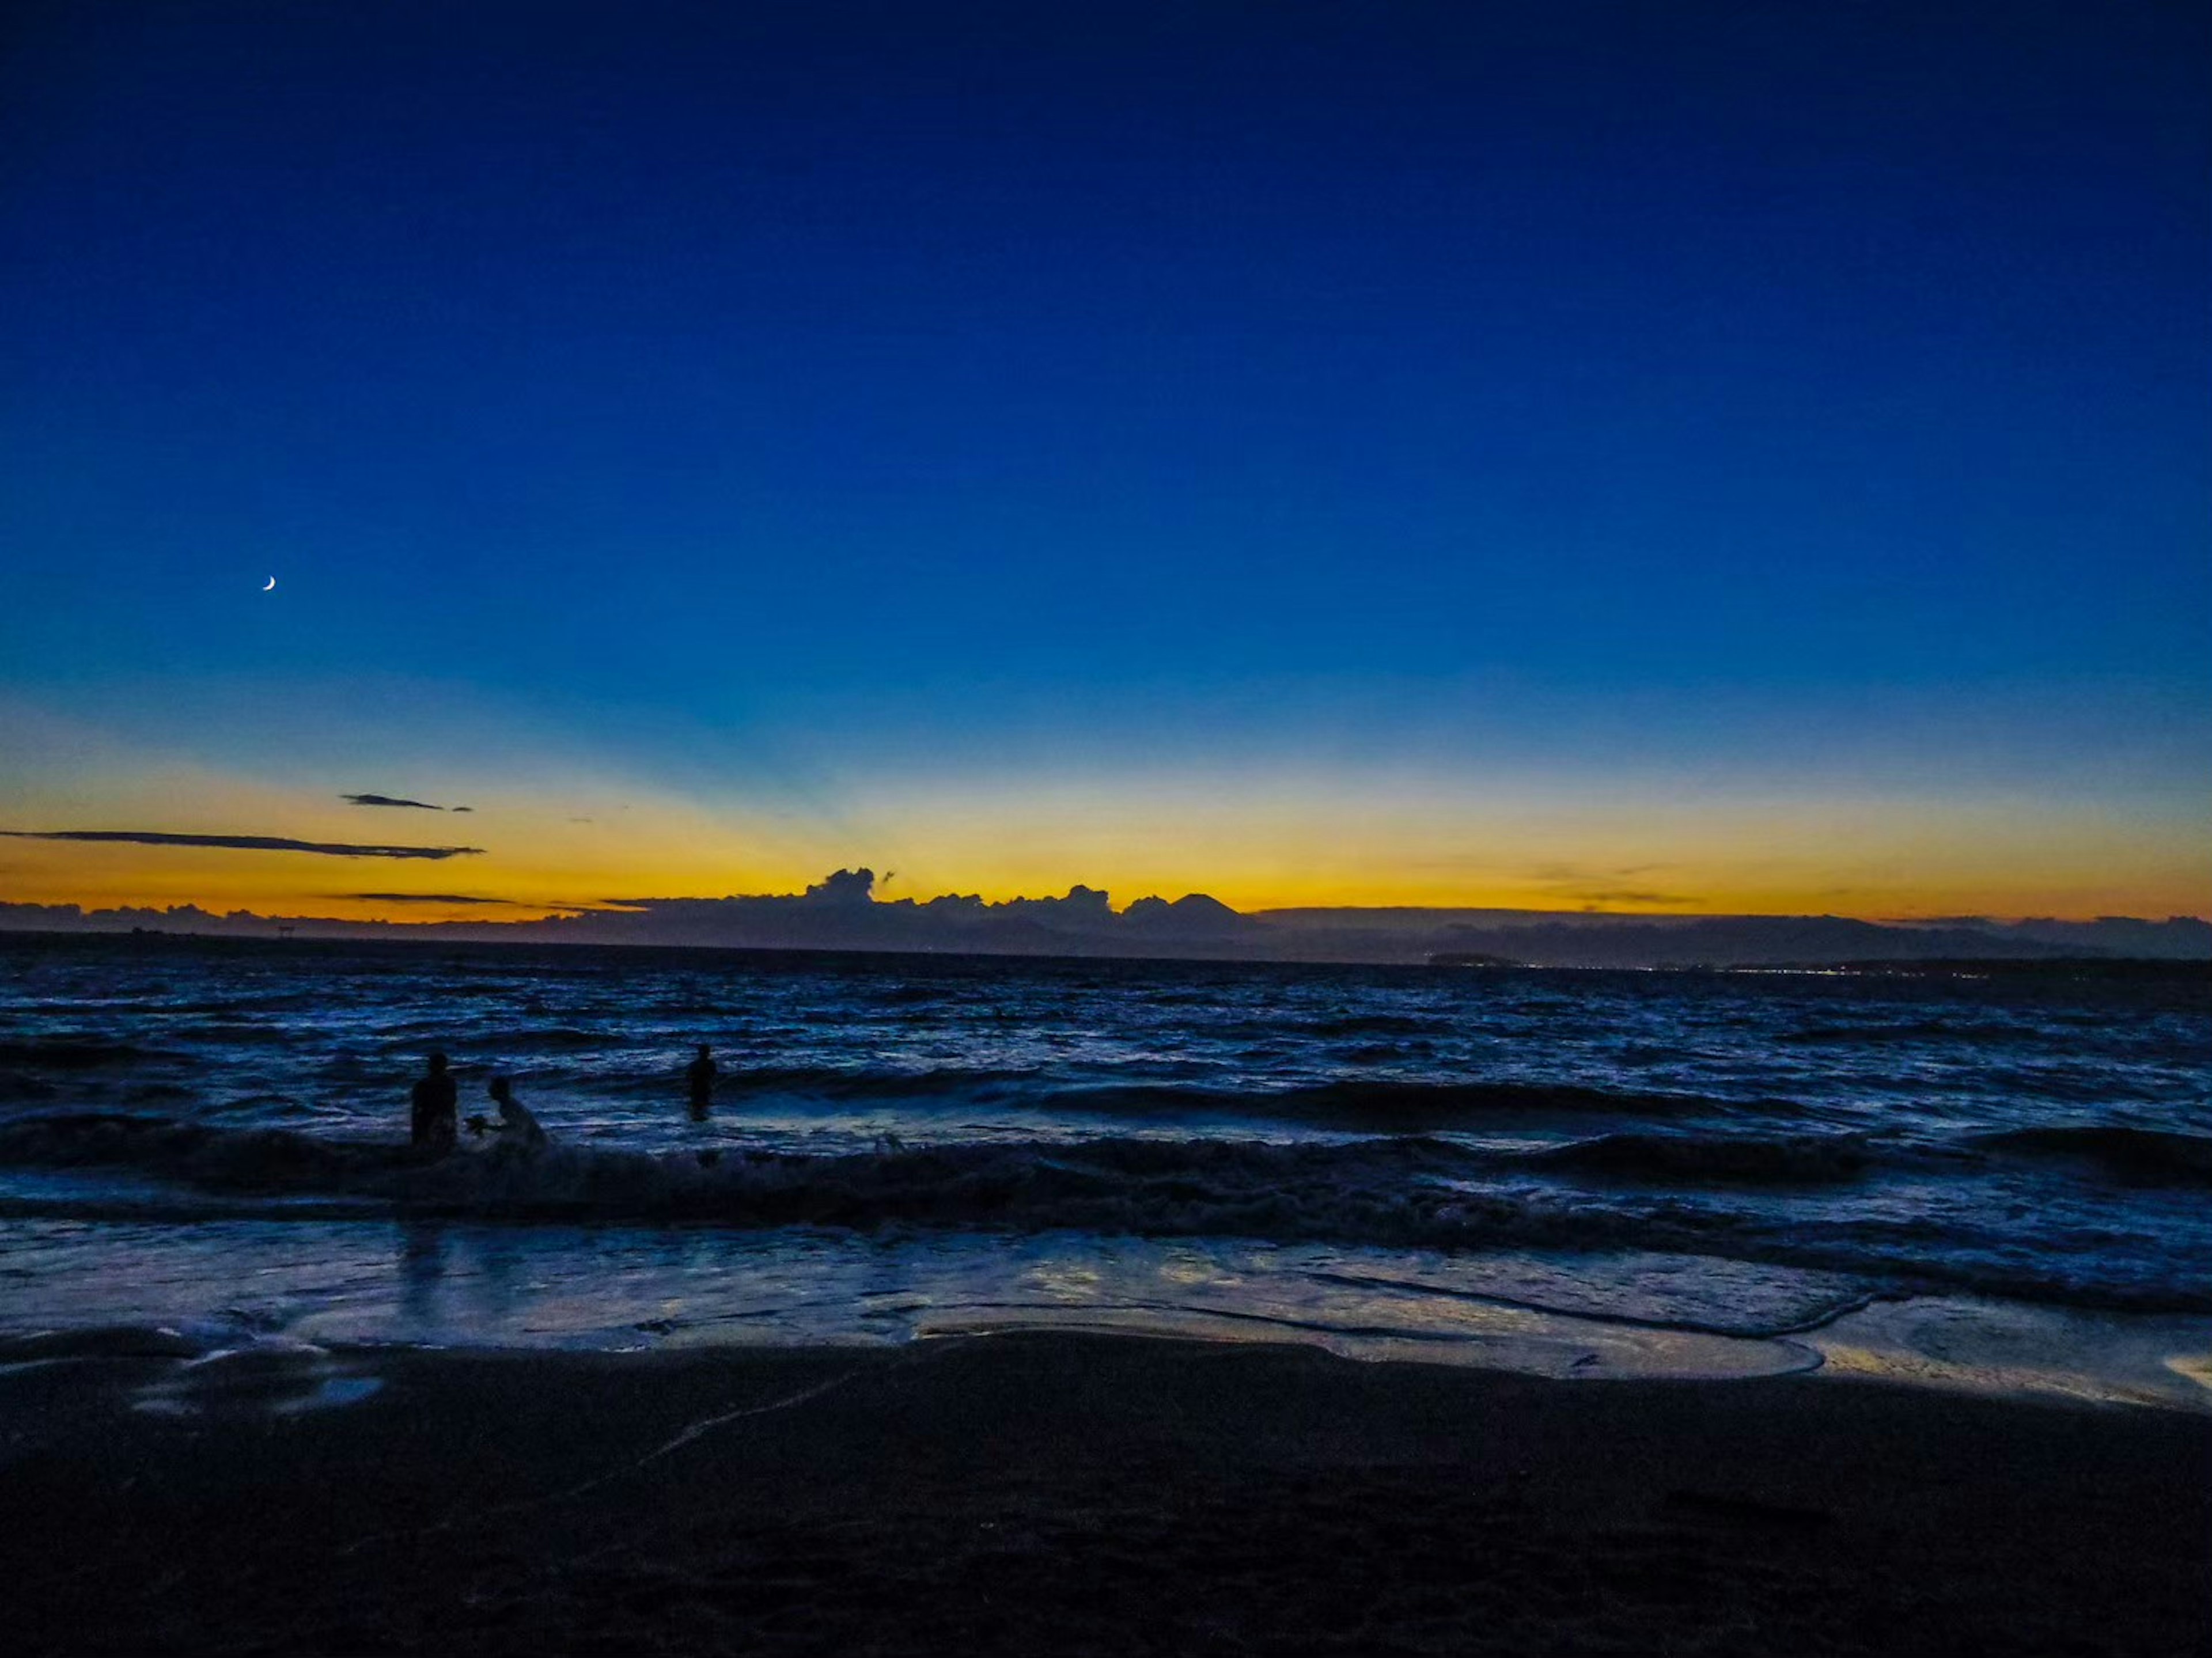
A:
[(437, 1108), (699, 1074), (516, 1126)]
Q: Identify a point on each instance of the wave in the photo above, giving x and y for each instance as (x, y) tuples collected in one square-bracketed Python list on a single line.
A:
[(1374, 1024), (1025, 1182), (851, 1083), (915, 995), (2050, 1033), (1912, 1031), (1784, 1160), (69, 1053), (1406, 1191), (1375, 1054), (1366, 1105), (555, 1039), (302, 1002), (234, 1033), (1376, 1106), (2140, 1156)]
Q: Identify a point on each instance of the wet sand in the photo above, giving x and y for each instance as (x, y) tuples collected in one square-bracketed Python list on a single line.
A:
[(1060, 1493)]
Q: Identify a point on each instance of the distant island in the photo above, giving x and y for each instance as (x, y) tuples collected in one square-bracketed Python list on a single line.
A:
[(841, 911)]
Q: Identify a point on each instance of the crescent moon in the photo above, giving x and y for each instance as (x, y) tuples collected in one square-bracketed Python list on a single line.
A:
[(271, 587)]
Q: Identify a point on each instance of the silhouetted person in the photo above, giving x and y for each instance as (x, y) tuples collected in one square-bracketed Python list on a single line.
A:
[(437, 1109), (699, 1074), (515, 1126)]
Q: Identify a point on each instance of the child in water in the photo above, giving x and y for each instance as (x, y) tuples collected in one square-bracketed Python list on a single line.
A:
[(516, 1126)]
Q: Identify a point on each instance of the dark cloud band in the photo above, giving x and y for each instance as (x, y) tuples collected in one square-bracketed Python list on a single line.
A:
[(392, 800), (419, 898), (243, 843)]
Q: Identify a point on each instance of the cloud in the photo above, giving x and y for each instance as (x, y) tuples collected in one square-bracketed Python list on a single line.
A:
[(394, 800), (243, 843), (1595, 884), (424, 898)]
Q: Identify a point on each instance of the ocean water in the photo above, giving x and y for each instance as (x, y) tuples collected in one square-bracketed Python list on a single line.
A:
[(2004, 1178)]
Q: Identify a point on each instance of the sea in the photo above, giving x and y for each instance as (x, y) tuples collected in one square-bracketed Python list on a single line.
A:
[(1997, 1178)]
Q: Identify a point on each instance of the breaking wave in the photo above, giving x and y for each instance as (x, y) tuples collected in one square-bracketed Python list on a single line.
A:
[(1365, 1105), (1406, 1191)]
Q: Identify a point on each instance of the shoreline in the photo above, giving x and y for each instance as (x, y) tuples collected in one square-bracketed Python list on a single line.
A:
[(1036, 1492), (390, 1284)]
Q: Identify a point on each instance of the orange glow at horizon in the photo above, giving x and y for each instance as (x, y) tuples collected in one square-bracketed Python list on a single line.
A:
[(1874, 869), (560, 836)]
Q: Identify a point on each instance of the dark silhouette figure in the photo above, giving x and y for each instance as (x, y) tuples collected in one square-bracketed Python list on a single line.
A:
[(437, 1108), (516, 1126), (699, 1074)]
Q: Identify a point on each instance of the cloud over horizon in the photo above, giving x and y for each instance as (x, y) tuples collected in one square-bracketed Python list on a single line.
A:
[(423, 898), (243, 843), (840, 913), (395, 800)]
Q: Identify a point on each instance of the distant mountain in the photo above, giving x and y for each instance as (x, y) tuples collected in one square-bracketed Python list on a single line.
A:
[(2178, 938), (1733, 941), (1193, 916)]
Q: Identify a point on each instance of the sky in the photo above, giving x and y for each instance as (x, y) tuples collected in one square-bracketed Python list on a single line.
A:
[(1703, 457)]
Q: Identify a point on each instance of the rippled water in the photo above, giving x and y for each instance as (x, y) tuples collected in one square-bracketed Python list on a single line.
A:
[(1381, 1154)]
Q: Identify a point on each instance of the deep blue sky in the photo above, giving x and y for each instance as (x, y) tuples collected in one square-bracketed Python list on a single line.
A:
[(818, 369)]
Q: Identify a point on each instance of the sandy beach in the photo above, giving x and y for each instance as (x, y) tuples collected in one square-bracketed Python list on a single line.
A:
[(1068, 1493)]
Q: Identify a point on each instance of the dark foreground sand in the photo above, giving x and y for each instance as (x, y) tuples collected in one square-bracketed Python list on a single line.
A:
[(1065, 1494)]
